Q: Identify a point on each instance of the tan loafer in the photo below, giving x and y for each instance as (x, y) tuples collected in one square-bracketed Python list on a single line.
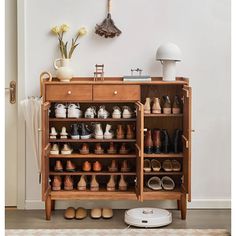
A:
[(69, 213), (167, 165), (107, 213), (147, 165), (80, 213), (156, 165), (176, 165), (96, 213)]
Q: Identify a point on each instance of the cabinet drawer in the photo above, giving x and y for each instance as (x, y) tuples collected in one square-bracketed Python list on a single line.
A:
[(116, 92), (70, 92)]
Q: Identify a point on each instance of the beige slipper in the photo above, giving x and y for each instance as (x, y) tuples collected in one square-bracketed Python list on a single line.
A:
[(167, 165), (156, 165), (96, 213), (107, 213), (176, 165), (167, 183), (81, 213), (69, 213), (147, 165)]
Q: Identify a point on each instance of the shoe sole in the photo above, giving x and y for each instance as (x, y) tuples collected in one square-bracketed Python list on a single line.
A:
[(86, 136), (116, 116), (75, 136), (54, 152), (98, 136), (66, 152), (126, 116)]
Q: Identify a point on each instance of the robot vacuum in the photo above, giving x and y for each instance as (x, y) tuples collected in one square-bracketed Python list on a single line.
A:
[(148, 217)]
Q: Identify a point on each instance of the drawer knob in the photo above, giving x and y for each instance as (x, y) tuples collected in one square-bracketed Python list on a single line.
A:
[(115, 92), (69, 92)]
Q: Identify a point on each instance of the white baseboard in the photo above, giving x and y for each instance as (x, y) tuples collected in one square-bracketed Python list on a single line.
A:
[(195, 204)]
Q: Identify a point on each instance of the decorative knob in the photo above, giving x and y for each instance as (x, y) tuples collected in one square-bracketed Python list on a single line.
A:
[(115, 92), (69, 92)]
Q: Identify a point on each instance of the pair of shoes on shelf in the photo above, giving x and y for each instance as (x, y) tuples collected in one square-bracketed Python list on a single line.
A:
[(152, 141), (154, 165), (72, 213), (171, 165), (82, 184), (57, 182), (63, 134), (66, 150), (80, 131), (87, 166), (113, 167), (111, 185), (70, 166), (127, 113), (129, 134), (105, 213), (154, 108), (70, 111), (91, 113), (166, 183), (99, 134)]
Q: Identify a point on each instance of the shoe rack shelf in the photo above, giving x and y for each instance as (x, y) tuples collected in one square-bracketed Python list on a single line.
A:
[(112, 92)]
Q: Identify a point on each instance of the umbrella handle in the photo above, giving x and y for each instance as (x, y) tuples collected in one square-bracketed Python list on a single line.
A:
[(109, 6)]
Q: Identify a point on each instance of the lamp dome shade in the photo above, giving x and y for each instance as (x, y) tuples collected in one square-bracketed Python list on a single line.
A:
[(168, 51)]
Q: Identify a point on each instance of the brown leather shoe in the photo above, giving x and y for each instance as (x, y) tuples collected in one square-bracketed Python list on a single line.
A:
[(111, 185), (94, 185), (68, 183), (81, 186), (176, 107), (122, 184), (86, 166), (98, 149), (130, 132), (97, 166), (123, 149), (56, 183), (113, 167), (85, 149), (70, 166), (124, 166), (156, 137), (58, 166), (166, 105), (120, 134), (148, 143), (111, 149)]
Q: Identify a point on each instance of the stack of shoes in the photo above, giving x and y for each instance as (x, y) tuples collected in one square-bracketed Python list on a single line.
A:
[(166, 183)]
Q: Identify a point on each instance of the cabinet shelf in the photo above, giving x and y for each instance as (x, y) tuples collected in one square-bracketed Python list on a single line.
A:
[(92, 140), (163, 115), (92, 155), (164, 155), (163, 173), (91, 120), (92, 173)]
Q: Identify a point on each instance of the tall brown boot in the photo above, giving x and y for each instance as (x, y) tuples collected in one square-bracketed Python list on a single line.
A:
[(120, 134), (68, 183), (111, 185), (147, 106), (130, 132), (176, 107), (156, 137), (166, 105), (148, 143), (56, 183), (156, 107), (122, 184), (94, 185)]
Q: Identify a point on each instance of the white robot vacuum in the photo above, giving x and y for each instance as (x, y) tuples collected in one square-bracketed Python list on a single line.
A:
[(148, 217)]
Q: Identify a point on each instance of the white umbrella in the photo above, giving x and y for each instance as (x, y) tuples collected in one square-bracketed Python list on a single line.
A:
[(32, 112)]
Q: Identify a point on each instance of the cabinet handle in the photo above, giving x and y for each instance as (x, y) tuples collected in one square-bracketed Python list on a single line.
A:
[(69, 92), (115, 92), (186, 141)]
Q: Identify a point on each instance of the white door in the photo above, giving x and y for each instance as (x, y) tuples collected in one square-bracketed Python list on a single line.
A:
[(10, 109)]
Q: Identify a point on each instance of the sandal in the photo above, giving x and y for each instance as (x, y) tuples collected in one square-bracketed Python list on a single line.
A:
[(154, 183)]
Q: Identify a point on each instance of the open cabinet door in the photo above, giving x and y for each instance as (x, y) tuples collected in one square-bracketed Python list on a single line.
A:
[(139, 151), (187, 129), (45, 150)]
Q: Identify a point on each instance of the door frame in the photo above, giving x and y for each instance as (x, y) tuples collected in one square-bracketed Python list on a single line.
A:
[(21, 94)]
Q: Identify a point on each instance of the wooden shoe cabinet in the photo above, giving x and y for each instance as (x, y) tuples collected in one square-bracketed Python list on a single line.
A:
[(112, 92)]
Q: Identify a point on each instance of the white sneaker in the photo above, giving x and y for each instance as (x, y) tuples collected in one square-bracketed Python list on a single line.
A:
[(60, 111), (98, 133), (127, 112), (53, 134), (116, 114), (55, 149), (63, 133), (102, 113), (74, 111), (90, 112), (108, 133), (66, 150)]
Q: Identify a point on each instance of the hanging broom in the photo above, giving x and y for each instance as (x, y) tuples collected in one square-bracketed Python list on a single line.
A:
[(107, 28)]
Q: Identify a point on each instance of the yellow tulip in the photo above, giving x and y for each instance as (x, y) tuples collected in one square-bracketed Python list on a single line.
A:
[(65, 28), (82, 31), (56, 30)]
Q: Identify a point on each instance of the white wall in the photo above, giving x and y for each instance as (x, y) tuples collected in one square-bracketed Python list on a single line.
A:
[(200, 28)]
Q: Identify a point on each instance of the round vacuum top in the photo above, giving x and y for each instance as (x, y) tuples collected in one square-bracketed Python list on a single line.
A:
[(148, 213)]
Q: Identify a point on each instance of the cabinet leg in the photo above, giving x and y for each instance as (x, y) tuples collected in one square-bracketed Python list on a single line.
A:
[(53, 204), (179, 204), (183, 206), (48, 206)]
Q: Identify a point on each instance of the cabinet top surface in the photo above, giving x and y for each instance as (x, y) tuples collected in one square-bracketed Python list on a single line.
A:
[(119, 80)]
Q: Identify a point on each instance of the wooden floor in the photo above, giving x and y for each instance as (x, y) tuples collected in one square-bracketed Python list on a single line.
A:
[(34, 219)]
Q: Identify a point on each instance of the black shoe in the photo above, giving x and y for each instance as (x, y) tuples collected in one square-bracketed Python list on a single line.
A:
[(165, 141), (177, 141), (85, 132), (74, 131)]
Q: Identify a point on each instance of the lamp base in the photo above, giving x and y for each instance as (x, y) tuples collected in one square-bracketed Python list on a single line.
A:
[(169, 70)]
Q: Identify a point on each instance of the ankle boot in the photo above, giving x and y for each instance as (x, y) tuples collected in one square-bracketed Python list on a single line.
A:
[(68, 183), (165, 141), (176, 107), (125, 166), (98, 149), (177, 141), (70, 166), (58, 166), (111, 149), (166, 105), (84, 149), (123, 149), (122, 184), (81, 186), (156, 137), (156, 107), (147, 106), (94, 185), (113, 167), (111, 185), (130, 132), (56, 183), (148, 143), (120, 134)]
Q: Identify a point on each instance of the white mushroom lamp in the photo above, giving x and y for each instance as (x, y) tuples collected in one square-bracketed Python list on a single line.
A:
[(169, 54)]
